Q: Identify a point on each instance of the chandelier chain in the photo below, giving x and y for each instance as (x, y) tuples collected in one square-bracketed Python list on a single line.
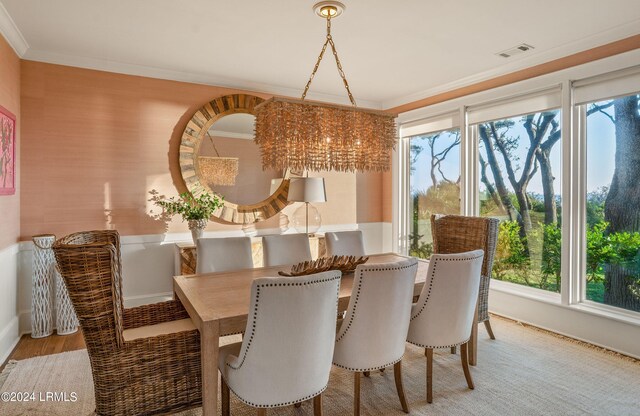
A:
[(329, 41)]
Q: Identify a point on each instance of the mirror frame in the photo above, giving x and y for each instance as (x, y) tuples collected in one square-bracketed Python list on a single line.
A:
[(192, 138)]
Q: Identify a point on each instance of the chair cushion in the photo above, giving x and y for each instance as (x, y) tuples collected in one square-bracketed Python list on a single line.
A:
[(158, 329)]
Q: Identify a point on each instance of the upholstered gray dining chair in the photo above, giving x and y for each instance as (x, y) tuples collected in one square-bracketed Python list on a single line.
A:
[(373, 333), (443, 315), (285, 356), (223, 254), (287, 249), (344, 243)]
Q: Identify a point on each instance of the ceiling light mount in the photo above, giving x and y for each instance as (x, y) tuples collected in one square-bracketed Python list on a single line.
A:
[(329, 9)]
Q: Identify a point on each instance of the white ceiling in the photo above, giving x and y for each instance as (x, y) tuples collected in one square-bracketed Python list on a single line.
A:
[(392, 51)]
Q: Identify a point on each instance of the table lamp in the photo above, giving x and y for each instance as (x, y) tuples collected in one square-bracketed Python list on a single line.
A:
[(307, 190)]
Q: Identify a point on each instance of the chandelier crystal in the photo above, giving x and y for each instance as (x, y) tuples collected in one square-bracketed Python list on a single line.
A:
[(309, 135)]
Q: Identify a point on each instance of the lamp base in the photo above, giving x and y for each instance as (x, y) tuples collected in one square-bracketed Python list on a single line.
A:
[(306, 219)]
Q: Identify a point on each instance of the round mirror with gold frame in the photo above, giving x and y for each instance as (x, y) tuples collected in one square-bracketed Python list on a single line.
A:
[(210, 160)]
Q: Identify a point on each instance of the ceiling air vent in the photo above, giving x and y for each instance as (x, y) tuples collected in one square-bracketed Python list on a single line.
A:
[(523, 47)]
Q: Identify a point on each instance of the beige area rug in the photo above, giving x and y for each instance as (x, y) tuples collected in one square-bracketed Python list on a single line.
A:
[(523, 372)]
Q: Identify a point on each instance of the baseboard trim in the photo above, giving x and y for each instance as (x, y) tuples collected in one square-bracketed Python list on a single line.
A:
[(9, 338), (572, 322)]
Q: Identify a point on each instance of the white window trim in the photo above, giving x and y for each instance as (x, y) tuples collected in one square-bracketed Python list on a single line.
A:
[(573, 269)]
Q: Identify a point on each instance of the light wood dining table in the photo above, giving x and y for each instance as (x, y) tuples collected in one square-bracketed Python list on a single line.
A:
[(218, 304)]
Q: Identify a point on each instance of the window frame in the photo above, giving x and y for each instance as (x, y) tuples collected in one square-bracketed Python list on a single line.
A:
[(573, 182)]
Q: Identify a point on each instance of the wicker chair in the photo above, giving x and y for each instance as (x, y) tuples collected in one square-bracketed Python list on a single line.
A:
[(144, 360), (458, 234)]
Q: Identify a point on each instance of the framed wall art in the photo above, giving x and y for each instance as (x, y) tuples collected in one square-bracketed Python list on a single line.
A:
[(7, 152)]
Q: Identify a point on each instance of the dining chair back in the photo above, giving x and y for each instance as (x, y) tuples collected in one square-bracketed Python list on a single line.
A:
[(126, 345), (223, 254), (289, 249), (443, 315), (345, 243), (374, 331), (285, 356), (458, 234)]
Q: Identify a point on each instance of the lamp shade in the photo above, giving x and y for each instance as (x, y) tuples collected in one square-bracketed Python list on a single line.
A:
[(307, 190)]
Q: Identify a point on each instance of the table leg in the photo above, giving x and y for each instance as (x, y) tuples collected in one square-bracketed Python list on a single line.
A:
[(209, 347), (473, 342)]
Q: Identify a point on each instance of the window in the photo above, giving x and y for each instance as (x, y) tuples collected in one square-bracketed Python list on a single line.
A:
[(505, 156), (434, 183), (613, 201), (520, 163)]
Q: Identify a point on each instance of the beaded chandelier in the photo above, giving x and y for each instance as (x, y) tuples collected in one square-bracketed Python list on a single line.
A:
[(309, 135), (217, 170)]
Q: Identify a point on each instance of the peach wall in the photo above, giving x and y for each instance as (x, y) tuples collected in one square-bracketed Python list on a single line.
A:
[(10, 99), (96, 142)]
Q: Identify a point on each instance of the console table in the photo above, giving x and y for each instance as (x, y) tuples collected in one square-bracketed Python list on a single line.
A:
[(186, 253)]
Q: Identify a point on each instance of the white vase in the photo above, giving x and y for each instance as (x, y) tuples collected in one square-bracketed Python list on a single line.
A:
[(197, 228), (43, 278)]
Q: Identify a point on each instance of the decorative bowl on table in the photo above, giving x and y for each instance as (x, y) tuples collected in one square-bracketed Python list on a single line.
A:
[(346, 264)]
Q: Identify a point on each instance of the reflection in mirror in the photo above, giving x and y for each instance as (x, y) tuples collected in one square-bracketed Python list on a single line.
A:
[(230, 161)]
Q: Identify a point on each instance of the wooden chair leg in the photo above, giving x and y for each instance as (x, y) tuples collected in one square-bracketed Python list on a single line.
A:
[(429, 353), (317, 405), (356, 394), (473, 342), (487, 325), (397, 373), (224, 390), (465, 365), (262, 411), (454, 350)]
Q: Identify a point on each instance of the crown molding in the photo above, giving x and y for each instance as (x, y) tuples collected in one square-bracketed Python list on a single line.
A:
[(11, 33), (182, 76), (618, 33)]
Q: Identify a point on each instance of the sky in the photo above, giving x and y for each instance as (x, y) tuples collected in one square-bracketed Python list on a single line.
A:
[(600, 156)]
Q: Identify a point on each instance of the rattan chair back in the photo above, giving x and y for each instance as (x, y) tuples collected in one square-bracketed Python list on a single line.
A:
[(158, 374), (89, 263), (458, 234)]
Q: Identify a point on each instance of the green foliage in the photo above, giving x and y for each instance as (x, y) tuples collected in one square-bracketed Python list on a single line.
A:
[(551, 255), (510, 251), (419, 248), (595, 205), (441, 199), (537, 202), (191, 207), (604, 248)]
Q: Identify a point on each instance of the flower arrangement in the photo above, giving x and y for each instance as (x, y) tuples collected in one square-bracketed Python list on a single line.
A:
[(191, 207), (194, 207)]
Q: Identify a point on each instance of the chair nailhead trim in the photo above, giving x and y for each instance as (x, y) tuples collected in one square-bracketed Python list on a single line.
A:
[(355, 304), (438, 346), (433, 276), (371, 368), (278, 404)]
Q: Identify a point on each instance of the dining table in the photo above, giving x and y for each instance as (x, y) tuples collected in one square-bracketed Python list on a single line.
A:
[(218, 305)]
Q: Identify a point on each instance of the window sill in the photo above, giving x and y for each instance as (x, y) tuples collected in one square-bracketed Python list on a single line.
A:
[(552, 298), (610, 312), (526, 292)]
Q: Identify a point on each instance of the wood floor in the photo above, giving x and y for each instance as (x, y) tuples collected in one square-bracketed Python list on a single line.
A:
[(29, 347)]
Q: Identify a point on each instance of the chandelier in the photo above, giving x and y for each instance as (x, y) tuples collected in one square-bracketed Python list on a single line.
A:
[(310, 135), (217, 170)]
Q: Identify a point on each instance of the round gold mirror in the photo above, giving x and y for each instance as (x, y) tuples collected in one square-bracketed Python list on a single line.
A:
[(218, 154)]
